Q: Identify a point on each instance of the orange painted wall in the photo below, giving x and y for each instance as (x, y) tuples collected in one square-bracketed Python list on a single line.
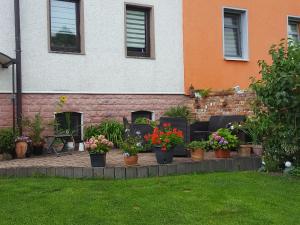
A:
[(205, 66)]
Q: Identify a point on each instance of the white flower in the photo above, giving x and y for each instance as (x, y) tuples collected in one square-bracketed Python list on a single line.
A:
[(263, 163), (231, 127), (288, 164)]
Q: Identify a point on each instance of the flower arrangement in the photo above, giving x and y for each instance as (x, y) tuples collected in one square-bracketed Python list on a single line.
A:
[(166, 138), (23, 139), (223, 139), (98, 145), (131, 146)]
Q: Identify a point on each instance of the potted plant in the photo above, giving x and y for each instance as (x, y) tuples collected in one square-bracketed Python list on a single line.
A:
[(164, 141), (253, 127), (22, 146), (222, 142), (197, 149), (131, 147), (179, 117), (97, 148), (7, 144), (35, 127)]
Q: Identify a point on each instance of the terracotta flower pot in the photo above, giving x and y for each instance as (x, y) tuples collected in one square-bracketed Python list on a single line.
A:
[(131, 160), (21, 149), (222, 153), (257, 150), (197, 155), (245, 151)]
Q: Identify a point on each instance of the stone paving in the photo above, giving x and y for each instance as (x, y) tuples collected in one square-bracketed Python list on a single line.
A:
[(82, 159)]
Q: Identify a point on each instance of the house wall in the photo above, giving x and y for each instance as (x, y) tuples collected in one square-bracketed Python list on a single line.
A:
[(103, 68), (204, 63)]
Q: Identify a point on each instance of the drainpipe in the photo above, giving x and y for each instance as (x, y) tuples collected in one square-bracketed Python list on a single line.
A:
[(18, 64)]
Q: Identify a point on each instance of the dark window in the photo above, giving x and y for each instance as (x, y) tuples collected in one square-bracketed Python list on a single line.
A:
[(65, 25), (69, 122), (138, 31), (141, 114), (232, 34)]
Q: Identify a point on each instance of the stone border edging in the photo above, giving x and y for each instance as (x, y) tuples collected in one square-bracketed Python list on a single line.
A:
[(213, 165)]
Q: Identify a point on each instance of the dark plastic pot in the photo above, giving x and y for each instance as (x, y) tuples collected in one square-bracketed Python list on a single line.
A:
[(163, 157), (98, 160)]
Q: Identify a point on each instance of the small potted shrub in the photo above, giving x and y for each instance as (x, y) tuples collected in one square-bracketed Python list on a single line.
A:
[(164, 141), (131, 147), (97, 148), (7, 143), (254, 128), (35, 127), (222, 142), (197, 149), (22, 146)]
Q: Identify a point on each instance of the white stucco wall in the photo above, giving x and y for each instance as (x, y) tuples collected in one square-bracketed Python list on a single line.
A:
[(104, 67), (7, 41)]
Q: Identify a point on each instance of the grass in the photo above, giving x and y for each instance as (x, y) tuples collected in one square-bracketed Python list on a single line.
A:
[(219, 198)]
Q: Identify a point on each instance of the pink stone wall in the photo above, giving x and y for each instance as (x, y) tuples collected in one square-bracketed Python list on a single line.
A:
[(95, 108)]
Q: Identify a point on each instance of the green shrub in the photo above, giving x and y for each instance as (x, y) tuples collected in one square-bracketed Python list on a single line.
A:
[(131, 146), (179, 111), (113, 131), (278, 104), (7, 140), (91, 131), (145, 121), (35, 127), (194, 145)]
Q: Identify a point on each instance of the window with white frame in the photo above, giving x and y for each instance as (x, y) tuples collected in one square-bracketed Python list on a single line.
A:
[(235, 34), (294, 28)]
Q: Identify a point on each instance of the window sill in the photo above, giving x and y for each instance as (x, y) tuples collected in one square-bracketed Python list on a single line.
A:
[(67, 53), (139, 57), (236, 59)]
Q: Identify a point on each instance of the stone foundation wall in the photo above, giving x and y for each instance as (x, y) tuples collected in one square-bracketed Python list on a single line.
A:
[(94, 108), (231, 104)]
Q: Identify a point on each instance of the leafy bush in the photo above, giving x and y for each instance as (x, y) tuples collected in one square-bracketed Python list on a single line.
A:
[(113, 131), (35, 127), (278, 104), (223, 139), (145, 121), (194, 145), (179, 111), (91, 131), (131, 146), (7, 140)]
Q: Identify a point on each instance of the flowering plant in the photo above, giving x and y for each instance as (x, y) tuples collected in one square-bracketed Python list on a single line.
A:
[(166, 138), (98, 144), (23, 139), (223, 139), (131, 146)]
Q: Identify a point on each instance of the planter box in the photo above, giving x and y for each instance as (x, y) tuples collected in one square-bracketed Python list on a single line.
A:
[(183, 125)]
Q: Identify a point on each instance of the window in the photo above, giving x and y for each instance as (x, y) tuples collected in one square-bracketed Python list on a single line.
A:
[(65, 25), (138, 31), (235, 34), (294, 29)]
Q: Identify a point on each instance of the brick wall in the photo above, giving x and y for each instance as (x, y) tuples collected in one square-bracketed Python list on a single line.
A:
[(95, 108), (218, 104)]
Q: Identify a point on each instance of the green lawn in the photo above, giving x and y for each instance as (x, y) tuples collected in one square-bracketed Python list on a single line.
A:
[(219, 198)]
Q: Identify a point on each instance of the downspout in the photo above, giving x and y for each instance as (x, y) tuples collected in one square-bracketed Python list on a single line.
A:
[(18, 65)]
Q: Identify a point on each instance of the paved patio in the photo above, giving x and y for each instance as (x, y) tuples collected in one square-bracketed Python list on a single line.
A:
[(82, 159)]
